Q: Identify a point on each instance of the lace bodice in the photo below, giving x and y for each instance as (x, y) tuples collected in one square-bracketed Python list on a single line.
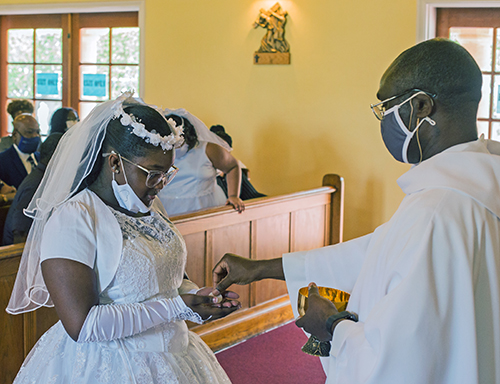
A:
[(152, 263), (151, 266)]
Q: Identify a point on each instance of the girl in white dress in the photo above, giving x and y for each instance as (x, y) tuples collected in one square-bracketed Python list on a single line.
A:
[(104, 253), (203, 152)]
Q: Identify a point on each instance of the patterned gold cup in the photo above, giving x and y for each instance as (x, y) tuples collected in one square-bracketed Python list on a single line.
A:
[(339, 298), (336, 296)]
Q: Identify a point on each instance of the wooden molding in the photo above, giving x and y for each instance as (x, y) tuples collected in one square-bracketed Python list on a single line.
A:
[(336, 225), (254, 209), (244, 324), (11, 251)]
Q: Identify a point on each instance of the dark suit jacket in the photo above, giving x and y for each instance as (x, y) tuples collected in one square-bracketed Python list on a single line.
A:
[(12, 171), (16, 220)]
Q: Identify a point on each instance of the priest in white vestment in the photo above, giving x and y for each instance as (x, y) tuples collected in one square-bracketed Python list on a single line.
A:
[(425, 286)]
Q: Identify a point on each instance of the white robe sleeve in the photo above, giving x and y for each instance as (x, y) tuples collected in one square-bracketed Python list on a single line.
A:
[(424, 330), (336, 266)]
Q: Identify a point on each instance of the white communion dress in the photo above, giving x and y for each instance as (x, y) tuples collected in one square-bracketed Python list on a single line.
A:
[(195, 186), (151, 267)]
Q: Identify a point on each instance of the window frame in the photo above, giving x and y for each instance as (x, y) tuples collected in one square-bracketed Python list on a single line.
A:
[(427, 28), (427, 10), (36, 10), (446, 18), (32, 21), (95, 20)]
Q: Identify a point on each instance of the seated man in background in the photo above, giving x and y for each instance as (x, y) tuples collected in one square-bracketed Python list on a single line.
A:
[(19, 160), (247, 190), (17, 224), (425, 286), (14, 109)]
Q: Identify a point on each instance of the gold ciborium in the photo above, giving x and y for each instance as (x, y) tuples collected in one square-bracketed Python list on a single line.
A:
[(339, 298)]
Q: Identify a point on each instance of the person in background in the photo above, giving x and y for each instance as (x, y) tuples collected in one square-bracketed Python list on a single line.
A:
[(20, 159), (63, 119), (247, 190), (7, 193), (17, 224), (14, 109), (424, 304), (195, 187)]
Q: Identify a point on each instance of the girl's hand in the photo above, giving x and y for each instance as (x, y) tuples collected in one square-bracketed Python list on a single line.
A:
[(210, 306), (236, 202), (227, 299)]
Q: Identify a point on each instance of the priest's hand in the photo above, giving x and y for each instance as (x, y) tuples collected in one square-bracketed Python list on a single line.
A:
[(319, 309), (233, 269)]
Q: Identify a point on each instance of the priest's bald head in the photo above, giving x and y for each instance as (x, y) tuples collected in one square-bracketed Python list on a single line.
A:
[(435, 88)]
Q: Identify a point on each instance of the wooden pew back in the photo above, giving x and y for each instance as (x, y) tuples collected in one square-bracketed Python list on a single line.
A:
[(269, 227), (4, 210)]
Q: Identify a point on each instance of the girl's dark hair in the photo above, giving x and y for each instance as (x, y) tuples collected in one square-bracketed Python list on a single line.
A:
[(58, 120), (189, 134), (221, 132), (20, 105), (124, 142)]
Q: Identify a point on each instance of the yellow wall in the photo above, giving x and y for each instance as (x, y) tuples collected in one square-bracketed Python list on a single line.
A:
[(290, 124)]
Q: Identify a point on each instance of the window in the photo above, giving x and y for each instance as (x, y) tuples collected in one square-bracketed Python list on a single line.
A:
[(478, 30), (32, 67), (107, 53), (44, 60)]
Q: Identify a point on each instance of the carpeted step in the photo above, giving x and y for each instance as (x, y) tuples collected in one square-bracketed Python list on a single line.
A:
[(272, 357)]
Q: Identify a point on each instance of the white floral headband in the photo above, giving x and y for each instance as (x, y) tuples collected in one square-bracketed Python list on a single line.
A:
[(174, 140)]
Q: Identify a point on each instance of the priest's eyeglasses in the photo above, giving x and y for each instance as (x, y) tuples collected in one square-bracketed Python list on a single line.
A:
[(379, 109), (154, 177)]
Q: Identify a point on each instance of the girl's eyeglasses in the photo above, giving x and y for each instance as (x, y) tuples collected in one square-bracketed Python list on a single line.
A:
[(154, 177)]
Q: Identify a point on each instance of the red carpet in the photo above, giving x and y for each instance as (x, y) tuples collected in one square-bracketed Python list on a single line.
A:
[(273, 357)]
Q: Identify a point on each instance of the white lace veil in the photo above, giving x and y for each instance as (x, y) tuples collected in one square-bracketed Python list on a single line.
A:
[(72, 161), (202, 131)]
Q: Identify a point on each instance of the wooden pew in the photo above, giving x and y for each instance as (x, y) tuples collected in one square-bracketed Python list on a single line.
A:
[(269, 227), (3, 216)]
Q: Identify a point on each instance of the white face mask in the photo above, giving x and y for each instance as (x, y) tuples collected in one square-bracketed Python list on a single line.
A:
[(396, 135), (70, 123), (126, 197)]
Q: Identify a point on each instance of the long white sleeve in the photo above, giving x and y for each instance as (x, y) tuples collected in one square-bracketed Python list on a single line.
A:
[(420, 299), (336, 266), (116, 321)]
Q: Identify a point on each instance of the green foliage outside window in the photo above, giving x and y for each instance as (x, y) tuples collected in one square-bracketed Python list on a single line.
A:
[(28, 47)]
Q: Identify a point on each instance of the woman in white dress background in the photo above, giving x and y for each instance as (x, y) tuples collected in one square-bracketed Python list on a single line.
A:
[(195, 187), (103, 252)]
